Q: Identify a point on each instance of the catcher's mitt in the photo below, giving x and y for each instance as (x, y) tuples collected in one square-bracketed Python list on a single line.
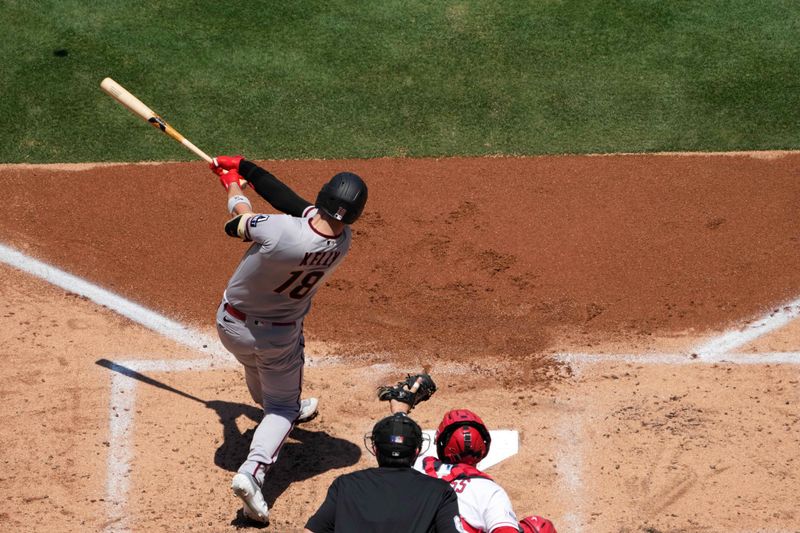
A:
[(413, 390)]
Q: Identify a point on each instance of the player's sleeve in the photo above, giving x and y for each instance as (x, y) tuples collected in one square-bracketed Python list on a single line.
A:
[(266, 230), (498, 512), (324, 520), (237, 227), (447, 519), (278, 194)]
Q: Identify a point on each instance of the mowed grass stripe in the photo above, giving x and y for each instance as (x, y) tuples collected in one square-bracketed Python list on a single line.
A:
[(348, 79)]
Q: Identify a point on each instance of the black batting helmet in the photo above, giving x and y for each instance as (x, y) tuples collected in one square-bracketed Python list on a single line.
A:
[(343, 197)]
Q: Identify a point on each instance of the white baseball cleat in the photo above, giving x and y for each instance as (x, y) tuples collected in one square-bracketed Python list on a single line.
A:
[(255, 507), (308, 410)]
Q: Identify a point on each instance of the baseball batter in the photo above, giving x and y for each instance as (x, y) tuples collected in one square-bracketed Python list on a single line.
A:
[(260, 318)]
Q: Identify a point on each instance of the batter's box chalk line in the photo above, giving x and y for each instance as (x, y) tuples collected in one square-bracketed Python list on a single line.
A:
[(156, 322), (719, 349)]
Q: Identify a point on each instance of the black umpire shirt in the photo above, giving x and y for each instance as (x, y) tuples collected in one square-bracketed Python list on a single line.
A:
[(387, 500)]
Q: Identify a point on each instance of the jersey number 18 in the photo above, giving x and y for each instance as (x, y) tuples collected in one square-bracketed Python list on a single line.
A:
[(304, 286)]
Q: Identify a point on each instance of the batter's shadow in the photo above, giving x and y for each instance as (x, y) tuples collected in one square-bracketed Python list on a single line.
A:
[(310, 454), (305, 454)]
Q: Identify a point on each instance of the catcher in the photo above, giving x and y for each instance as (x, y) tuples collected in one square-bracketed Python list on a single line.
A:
[(462, 441)]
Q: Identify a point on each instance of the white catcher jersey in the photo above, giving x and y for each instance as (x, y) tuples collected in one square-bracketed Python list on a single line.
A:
[(482, 503), (288, 261)]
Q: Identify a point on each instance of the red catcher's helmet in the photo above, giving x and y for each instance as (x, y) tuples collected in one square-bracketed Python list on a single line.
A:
[(462, 437)]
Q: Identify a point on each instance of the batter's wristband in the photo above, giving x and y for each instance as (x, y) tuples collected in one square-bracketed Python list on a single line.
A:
[(238, 199)]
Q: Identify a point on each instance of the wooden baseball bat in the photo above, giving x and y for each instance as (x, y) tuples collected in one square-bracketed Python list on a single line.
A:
[(137, 107)]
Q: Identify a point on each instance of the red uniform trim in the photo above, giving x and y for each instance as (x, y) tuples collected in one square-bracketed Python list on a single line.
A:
[(235, 313), (459, 471), (315, 230)]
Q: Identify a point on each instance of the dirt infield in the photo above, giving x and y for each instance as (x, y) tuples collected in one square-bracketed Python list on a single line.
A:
[(506, 276)]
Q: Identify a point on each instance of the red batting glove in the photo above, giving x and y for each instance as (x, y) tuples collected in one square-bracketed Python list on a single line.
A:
[(227, 162), (229, 177), (224, 165)]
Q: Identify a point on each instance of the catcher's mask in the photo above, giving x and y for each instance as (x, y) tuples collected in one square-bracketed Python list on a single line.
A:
[(462, 437), (395, 440), (343, 197)]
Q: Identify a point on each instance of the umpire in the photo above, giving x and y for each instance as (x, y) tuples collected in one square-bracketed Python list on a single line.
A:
[(393, 498)]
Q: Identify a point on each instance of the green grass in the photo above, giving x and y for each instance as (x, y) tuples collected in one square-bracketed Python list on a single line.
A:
[(335, 79)]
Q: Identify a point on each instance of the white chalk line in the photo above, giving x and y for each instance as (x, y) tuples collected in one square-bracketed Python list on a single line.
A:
[(716, 350), (569, 462), (120, 423), (757, 328), (123, 388), (150, 319), (569, 466), (763, 358), (175, 365)]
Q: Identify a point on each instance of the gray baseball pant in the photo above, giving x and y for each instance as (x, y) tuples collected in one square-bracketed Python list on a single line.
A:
[(273, 357)]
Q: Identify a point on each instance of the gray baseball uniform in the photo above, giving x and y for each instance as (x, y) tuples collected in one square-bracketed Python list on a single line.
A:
[(260, 319)]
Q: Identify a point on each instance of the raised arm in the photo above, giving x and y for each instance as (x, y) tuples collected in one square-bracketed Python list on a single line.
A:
[(278, 194)]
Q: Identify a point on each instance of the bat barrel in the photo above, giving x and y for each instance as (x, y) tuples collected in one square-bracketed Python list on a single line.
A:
[(138, 108)]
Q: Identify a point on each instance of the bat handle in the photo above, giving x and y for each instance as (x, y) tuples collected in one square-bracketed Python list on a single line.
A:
[(160, 124), (204, 156)]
